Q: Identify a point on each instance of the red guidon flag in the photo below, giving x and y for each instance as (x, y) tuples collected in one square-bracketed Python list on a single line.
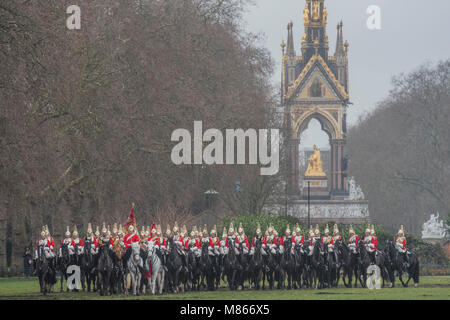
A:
[(131, 220)]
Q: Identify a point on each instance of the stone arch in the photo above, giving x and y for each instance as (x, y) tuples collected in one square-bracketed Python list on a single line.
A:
[(328, 124)]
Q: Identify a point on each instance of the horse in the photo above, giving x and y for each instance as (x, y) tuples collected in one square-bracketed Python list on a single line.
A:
[(118, 282), (231, 265), (174, 265), (364, 263), (194, 272), (89, 265), (206, 268), (331, 268), (156, 269), (317, 266), (382, 261), (79, 261), (256, 264), (63, 263), (269, 268), (349, 263), (299, 266), (134, 266), (398, 264), (244, 262), (104, 269), (287, 264), (44, 270)]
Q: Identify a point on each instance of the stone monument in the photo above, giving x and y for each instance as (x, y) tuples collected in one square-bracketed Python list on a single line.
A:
[(433, 230)]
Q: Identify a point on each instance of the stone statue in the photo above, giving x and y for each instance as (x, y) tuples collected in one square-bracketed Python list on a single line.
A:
[(306, 14), (433, 228), (316, 10), (315, 165), (355, 192)]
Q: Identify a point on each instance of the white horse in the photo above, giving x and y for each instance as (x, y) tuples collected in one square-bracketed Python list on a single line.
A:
[(135, 264), (157, 269)]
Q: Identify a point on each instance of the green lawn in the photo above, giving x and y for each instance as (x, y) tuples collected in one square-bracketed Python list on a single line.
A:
[(429, 288)]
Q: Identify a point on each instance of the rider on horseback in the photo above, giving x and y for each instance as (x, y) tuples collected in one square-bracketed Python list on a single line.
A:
[(298, 238), (68, 242), (352, 240), (314, 236), (287, 237), (400, 245), (371, 244), (90, 238), (231, 236), (329, 242), (259, 237), (336, 236), (242, 238), (106, 237)]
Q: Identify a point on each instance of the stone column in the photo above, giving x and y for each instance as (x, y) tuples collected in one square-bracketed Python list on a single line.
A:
[(338, 181), (293, 173)]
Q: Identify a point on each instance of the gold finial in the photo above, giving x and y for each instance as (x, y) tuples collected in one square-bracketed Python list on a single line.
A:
[(283, 46)]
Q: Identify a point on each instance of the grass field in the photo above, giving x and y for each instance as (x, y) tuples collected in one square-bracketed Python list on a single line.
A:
[(430, 288)]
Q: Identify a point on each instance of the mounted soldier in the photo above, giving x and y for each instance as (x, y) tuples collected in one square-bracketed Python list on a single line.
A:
[(352, 240), (223, 249), (400, 245), (243, 240), (287, 237), (106, 238), (232, 237), (178, 238), (77, 242), (336, 236), (90, 238), (214, 242), (258, 236), (370, 243), (298, 239), (314, 236), (328, 241), (67, 241)]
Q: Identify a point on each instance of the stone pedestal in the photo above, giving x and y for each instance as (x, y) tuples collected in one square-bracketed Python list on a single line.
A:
[(318, 188)]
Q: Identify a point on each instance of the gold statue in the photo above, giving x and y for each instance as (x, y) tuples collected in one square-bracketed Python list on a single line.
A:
[(306, 14), (304, 37), (315, 165), (325, 14), (316, 10)]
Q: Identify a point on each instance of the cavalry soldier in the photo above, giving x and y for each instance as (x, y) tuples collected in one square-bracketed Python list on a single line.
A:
[(298, 238), (327, 239), (352, 240), (106, 238), (223, 249), (90, 238), (400, 245), (286, 237), (120, 236), (152, 237), (272, 241), (50, 242), (130, 237), (315, 236), (177, 237), (370, 243), (205, 238), (191, 242), (77, 242), (260, 237), (215, 242), (67, 241), (231, 236), (242, 238), (336, 235)]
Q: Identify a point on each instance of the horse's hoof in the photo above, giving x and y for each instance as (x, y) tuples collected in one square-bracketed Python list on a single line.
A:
[(416, 285)]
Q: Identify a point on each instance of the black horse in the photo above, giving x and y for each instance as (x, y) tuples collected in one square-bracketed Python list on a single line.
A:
[(105, 269), (89, 266), (287, 264), (364, 263), (63, 263), (299, 270), (206, 268), (398, 263), (80, 262), (317, 266), (256, 264), (44, 271), (174, 265), (269, 268), (232, 266), (194, 271)]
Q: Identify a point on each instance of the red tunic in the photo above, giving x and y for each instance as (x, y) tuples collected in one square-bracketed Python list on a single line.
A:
[(302, 241), (129, 239), (80, 242), (263, 240)]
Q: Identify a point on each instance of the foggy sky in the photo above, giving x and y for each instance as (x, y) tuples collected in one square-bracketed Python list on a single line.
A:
[(412, 32)]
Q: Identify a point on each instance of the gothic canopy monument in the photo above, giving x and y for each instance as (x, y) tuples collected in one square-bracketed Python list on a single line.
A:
[(315, 85)]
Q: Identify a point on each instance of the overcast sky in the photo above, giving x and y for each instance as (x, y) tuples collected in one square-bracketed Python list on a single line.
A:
[(412, 32)]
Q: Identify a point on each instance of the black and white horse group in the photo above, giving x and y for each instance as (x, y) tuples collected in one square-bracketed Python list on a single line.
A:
[(176, 269)]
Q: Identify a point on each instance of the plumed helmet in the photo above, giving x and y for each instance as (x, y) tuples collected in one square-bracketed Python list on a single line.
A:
[(68, 232), (205, 231), (147, 231), (350, 230), (115, 230), (168, 231), (120, 230), (192, 233), (372, 230), (241, 228), (231, 229), (142, 234), (75, 232), (47, 232), (401, 232), (258, 229), (326, 231), (175, 227), (311, 231), (97, 231), (270, 229), (224, 233), (43, 231), (213, 231), (368, 228), (266, 233), (131, 229), (108, 232), (335, 229), (288, 231), (104, 230), (184, 230), (158, 230), (317, 230), (153, 230), (298, 230), (89, 229)]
